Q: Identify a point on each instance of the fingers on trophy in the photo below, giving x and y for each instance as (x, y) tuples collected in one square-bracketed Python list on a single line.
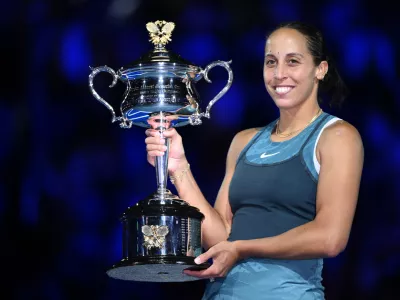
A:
[(162, 233)]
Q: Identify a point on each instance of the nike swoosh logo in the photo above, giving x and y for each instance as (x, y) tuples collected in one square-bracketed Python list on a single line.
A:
[(265, 155)]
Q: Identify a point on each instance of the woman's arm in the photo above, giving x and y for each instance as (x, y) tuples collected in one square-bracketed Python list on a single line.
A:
[(218, 219), (340, 152), (216, 225)]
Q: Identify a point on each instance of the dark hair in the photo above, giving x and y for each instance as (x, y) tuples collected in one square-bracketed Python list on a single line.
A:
[(332, 82)]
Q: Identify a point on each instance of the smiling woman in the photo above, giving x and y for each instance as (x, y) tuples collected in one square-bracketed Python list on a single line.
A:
[(290, 189)]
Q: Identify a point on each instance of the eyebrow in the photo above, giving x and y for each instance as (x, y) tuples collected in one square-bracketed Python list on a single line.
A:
[(289, 54)]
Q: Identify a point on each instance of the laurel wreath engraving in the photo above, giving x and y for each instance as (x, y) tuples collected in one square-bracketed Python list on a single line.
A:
[(160, 32), (154, 236)]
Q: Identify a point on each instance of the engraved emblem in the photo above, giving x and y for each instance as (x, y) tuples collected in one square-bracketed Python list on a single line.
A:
[(160, 32), (154, 236)]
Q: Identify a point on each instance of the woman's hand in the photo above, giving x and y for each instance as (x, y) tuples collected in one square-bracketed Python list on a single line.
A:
[(224, 256), (155, 146)]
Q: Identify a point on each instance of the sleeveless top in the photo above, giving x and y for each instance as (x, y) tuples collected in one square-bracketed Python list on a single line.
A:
[(273, 190)]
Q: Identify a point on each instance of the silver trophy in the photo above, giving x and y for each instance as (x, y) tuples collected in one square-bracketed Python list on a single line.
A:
[(162, 233)]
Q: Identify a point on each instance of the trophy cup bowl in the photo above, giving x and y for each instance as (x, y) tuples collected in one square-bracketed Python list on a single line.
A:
[(162, 233)]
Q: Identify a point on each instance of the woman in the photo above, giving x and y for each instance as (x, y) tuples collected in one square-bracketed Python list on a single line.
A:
[(290, 189)]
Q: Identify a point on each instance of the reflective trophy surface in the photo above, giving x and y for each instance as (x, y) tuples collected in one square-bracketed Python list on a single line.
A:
[(162, 233)]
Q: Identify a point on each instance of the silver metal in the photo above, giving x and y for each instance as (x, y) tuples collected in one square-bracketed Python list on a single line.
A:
[(161, 162), (183, 237), (125, 123), (159, 242), (162, 233), (164, 197), (161, 87), (195, 119), (161, 165), (161, 122)]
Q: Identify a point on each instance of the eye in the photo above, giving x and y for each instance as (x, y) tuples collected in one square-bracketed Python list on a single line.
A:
[(293, 61), (270, 63)]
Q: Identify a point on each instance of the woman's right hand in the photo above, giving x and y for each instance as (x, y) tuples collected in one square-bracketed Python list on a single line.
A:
[(155, 146)]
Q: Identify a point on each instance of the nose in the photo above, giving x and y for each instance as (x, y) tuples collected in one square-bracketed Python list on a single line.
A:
[(280, 71)]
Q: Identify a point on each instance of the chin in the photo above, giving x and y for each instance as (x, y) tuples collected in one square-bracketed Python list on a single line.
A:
[(285, 103)]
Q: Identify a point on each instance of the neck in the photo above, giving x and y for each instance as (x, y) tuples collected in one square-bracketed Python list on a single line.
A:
[(297, 117)]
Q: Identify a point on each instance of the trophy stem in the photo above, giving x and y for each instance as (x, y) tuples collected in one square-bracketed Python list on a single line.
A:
[(160, 122), (161, 165)]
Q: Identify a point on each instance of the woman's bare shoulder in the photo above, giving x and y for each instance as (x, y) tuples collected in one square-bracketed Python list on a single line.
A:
[(338, 130), (246, 135), (243, 137), (340, 137)]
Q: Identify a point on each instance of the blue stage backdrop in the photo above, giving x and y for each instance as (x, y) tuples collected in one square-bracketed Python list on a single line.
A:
[(68, 173)]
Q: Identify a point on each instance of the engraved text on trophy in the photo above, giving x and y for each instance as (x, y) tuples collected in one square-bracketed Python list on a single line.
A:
[(153, 91)]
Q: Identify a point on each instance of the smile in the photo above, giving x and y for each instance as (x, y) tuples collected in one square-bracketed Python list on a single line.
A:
[(281, 90)]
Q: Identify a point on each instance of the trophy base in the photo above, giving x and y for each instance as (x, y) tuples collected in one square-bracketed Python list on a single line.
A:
[(156, 269)]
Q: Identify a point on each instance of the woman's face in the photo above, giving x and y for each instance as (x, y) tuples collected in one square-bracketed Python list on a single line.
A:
[(290, 75)]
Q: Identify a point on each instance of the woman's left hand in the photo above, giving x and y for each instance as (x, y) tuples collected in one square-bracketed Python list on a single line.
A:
[(224, 256)]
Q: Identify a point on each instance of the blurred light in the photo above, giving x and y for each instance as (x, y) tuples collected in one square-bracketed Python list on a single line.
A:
[(200, 48), (82, 194), (130, 44), (396, 154), (87, 208), (37, 11), (75, 54), (200, 11), (86, 244), (257, 39), (116, 244), (369, 275), (356, 53), (384, 57), (29, 210), (228, 110), (43, 46), (53, 183), (122, 9), (278, 11), (337, 17), (134, 152), (379, 133), (32, 184)]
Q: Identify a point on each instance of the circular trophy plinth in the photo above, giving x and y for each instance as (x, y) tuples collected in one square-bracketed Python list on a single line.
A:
[(161, 238), (156, 269)]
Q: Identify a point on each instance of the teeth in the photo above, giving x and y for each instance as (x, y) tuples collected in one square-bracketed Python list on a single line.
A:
[(282, 89)]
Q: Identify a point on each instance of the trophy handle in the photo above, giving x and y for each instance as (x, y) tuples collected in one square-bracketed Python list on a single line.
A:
[(195, 118), (124, 122)]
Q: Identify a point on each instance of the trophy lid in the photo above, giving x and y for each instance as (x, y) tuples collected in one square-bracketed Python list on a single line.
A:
[(160, 59)]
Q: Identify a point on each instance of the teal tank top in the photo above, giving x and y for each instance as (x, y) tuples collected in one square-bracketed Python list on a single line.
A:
[(272, 191)]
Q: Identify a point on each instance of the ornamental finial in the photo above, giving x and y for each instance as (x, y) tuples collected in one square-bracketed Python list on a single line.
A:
[(160, 32)]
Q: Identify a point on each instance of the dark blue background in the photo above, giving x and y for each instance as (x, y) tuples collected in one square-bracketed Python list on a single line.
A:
[(67, 173)]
